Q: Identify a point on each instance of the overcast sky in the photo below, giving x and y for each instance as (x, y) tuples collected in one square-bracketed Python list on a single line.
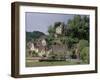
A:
[(41, 21)]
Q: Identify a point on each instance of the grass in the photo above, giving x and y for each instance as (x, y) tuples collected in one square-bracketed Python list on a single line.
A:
[(45, 63)]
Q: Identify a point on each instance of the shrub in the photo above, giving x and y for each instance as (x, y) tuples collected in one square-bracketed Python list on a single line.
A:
[(34, 54), (83, 43), (84, 54)]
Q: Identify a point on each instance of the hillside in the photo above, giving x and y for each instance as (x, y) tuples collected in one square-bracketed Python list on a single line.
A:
[(33, 35)]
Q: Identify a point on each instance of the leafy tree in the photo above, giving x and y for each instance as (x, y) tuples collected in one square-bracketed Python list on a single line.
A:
[(78, 27), (85, 27), (51, 31)]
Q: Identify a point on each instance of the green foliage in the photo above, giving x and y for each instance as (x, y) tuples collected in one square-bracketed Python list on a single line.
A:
[(49, 40), (82, 44), (33, 35), (50, 37), (69, 41), (37, 34), (28, 36), (78, 27), (51, 31), (34, 54), (76, 32), (84, 55), (84, 50)]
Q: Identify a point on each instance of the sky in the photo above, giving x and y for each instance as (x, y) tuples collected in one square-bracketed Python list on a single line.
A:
[(41, 21)]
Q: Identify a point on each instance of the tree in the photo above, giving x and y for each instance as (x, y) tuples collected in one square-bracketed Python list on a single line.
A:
[(78, 27), (50, 36), (51, 31)]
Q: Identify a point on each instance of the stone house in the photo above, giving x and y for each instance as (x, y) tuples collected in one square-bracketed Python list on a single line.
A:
[(59, 30), (39, 46)]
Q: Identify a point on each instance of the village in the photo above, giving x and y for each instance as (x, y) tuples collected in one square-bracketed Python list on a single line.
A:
[(39, 50), (60, 44)]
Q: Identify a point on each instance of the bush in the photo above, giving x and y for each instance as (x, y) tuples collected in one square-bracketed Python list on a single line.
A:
[(84, 55), (34, 54), (83, 43)]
